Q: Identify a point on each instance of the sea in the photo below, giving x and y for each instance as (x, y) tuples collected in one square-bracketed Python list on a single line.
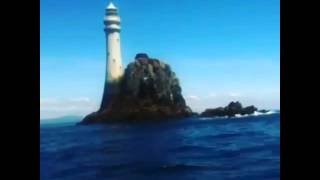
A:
[(239, 148)]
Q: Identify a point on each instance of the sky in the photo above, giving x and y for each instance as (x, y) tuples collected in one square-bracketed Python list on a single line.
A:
[(221, 50)]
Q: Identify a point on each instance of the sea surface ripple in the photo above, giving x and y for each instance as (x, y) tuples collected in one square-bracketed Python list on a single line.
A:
[(236, 148)]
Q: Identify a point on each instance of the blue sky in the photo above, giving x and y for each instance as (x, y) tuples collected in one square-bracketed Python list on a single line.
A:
[(221, 50)]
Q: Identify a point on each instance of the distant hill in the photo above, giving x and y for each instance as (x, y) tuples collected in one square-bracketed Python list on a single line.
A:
[(64, 119)]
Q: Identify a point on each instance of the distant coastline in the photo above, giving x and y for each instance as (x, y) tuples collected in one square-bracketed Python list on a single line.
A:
[(62, 119)]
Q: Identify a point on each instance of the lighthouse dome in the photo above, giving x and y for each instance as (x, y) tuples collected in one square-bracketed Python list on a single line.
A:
[(111, 6)]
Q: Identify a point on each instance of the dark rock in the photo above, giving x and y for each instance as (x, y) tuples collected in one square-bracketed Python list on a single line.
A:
[(155, 64), (149, 90), (248, 110), (142, 61), (231, 110), (263, 111), (142, 56), (195, 114), (220, 111)]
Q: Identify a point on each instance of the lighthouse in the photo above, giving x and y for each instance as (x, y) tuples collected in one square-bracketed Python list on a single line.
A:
[(113, 49)]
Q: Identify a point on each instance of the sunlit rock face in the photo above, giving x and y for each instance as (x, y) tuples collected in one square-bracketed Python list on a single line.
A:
[(149, 90)]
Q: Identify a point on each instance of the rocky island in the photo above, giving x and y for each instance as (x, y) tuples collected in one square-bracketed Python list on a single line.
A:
[(231, 110), (149, 90)]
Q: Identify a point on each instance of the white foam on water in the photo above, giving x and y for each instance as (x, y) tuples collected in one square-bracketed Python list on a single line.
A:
[(213, 118), (256, 113), (271, 112), (239, 115)]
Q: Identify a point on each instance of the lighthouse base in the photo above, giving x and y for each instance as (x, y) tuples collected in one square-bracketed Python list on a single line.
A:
[(111, 89)]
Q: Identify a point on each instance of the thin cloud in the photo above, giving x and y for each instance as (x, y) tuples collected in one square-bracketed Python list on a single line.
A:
[(212, 95), (193, 97), (55, 107), (234, 94)]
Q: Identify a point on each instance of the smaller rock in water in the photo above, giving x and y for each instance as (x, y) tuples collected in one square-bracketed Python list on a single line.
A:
[(263, 111), (231, 110), (248, 110)]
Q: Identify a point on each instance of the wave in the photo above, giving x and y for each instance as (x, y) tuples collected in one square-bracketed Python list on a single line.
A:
[(256, 113), (215, 117)]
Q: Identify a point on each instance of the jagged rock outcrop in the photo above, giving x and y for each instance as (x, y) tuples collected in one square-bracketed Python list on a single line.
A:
[(231, 110), (149, 90)]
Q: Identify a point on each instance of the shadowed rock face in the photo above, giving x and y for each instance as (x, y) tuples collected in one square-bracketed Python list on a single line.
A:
[(149, 90), (231, 110)]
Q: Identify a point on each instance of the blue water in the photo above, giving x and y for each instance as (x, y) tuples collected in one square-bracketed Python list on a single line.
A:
[(238, 148)]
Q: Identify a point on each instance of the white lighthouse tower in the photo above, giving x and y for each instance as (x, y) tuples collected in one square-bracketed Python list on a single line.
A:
[(114, 62), (112, 30)]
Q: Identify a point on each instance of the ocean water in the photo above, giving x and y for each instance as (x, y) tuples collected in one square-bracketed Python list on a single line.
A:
[(242, 148)]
